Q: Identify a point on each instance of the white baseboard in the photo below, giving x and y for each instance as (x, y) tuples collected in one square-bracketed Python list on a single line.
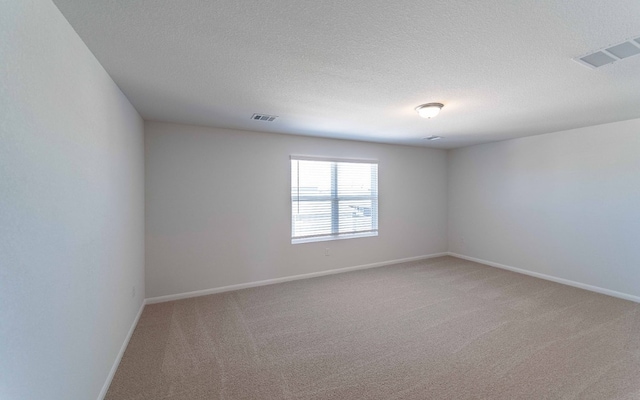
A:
[(116, 363), (568, 282), (171, 297)]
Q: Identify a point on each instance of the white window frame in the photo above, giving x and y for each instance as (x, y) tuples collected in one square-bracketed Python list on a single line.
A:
[(335, 200)]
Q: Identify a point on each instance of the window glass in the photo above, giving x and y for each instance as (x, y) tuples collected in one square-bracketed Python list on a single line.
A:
[(333, 199)]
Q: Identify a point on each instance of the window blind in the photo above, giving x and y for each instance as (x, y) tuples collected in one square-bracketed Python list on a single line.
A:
[(333, 199)]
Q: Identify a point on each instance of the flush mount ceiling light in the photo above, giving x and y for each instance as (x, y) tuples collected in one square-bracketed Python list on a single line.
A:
[(429, 110)]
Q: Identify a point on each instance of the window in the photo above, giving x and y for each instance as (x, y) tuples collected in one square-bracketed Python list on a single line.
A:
[(333, 199)]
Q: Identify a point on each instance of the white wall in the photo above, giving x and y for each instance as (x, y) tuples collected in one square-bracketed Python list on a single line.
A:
[(218, 207), (71, 210), (565, 204)]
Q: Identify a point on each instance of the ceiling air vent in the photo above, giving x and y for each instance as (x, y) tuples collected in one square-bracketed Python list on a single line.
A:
[(432, 137), (264, 117), (611, 54)]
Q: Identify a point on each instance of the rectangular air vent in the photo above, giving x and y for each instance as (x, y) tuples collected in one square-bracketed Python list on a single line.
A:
[(624, 50), (610, 54), (264, 117)]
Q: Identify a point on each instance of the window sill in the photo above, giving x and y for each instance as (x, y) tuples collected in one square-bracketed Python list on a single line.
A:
[(334, 237)]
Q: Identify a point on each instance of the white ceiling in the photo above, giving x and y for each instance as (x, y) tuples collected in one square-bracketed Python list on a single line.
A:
[(356, 69)]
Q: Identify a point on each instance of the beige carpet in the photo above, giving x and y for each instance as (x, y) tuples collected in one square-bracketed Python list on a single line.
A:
[(436, 329)]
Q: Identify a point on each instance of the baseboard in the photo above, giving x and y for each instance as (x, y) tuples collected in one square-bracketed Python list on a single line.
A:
[(551, 278), (116, 363), (179, 296)]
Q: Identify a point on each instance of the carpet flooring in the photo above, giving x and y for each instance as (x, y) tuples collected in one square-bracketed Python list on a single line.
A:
[(442, 328)]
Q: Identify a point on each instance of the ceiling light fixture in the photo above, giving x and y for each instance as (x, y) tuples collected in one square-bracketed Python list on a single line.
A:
[(429, 110)]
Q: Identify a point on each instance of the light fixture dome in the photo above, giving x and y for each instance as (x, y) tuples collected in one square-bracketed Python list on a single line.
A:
[(429, 110)]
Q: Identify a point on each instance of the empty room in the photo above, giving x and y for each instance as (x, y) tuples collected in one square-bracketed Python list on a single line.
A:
[(310, 200)]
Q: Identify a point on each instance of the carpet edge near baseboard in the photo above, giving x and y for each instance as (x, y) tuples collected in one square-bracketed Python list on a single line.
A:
[(568, 282), (205, 292)]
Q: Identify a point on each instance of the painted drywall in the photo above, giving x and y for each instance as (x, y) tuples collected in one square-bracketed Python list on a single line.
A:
[(71, 210), (565, 204), (218, 207)]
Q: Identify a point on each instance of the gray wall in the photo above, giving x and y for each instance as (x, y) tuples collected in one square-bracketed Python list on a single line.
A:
[(218, 207), (565, 204), (71, 210)]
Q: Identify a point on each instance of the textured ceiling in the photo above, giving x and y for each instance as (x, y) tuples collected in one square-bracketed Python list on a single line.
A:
[(356, 69)]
